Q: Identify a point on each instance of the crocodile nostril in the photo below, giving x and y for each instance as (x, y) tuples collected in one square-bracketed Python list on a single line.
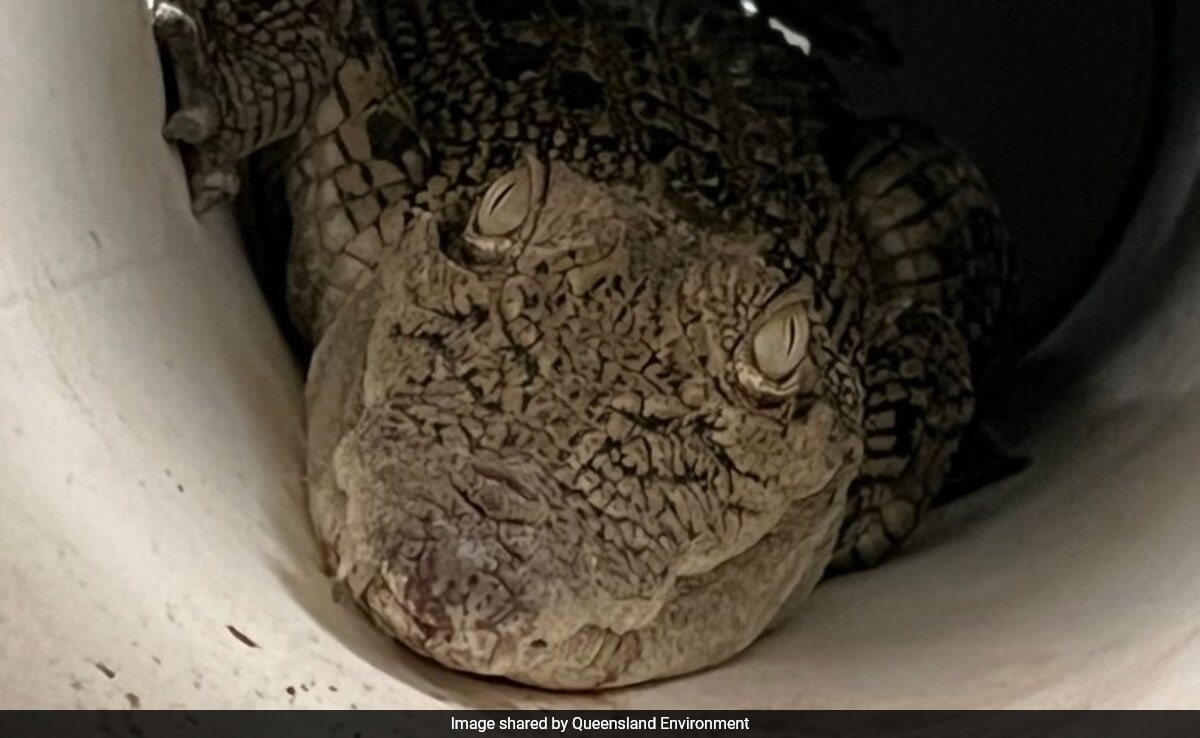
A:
[(495, 473), (501, 475), (507, 493)]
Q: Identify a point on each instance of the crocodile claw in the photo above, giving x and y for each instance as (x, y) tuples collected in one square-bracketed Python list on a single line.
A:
[(170, 21), (192, 125)]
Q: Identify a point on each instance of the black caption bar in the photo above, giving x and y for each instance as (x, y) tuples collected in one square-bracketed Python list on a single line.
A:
[(532, 724)]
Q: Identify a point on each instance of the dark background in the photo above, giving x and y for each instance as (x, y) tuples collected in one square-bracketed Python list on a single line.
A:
[(1056, 103)]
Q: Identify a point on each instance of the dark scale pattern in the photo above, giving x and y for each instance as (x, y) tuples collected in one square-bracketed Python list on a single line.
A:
[(624, 330), (488, 80)]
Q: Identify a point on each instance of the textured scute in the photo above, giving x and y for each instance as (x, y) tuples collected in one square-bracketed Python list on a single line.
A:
[(548, 468), (619, 318)]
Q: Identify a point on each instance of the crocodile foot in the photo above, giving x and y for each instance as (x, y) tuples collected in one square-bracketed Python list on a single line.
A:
[(247, 74)]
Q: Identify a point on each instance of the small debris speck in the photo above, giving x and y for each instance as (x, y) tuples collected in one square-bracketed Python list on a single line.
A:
[(242, 636), (291, 690), (105, 670), (134, 701)]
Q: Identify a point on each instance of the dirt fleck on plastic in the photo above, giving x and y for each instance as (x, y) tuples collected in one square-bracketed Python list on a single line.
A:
[(245, 639)]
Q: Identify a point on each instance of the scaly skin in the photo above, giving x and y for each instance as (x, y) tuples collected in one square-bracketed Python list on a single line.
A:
[(624, 331)]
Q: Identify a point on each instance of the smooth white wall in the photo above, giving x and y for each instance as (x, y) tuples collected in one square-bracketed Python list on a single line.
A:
[(151, 453)]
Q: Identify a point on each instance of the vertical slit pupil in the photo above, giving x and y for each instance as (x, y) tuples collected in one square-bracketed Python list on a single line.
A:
[(502, 194)]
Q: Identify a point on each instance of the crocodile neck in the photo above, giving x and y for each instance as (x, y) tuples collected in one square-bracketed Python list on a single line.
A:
[(616, 89)]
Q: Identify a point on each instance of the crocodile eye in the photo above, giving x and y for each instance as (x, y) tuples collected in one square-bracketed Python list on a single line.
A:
[(506, 204), (509, 202), (505, 215), (774, 364), (781, 343)]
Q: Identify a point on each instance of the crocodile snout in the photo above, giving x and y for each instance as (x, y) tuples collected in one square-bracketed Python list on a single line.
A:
[(484, 572)]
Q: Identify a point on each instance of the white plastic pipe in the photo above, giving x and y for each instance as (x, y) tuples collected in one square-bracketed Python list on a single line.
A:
[(155, 549)]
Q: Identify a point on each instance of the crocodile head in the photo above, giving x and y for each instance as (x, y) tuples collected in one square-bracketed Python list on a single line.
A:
[(581, 442)]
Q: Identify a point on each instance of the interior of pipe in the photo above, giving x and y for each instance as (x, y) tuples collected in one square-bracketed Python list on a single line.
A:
[(155, 548)]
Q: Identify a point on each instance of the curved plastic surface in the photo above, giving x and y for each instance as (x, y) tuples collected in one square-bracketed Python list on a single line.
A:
[(155, 550)]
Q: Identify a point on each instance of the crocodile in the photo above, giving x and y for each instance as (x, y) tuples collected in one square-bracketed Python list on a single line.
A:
[(625, 330)]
